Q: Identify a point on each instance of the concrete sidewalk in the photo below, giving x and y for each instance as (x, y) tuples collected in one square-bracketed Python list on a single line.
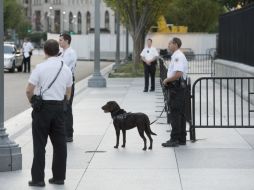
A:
[(223, 160)]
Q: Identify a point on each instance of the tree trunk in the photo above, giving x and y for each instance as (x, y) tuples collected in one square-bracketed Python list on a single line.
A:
[(138, 45)]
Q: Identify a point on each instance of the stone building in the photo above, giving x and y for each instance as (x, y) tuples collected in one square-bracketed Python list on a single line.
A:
[(76, 16)]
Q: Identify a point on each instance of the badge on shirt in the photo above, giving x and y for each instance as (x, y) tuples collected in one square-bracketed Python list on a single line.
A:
[(176, 59)]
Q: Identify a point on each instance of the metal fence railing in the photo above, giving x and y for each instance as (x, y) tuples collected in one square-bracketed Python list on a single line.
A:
[(222, 102), (215, 102), (198, 64)]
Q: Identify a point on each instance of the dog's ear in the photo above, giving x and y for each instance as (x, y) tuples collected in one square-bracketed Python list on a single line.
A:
[(114, 106)]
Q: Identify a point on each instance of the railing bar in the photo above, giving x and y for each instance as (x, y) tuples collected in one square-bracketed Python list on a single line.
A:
[(200, 120), (221, 102), (242, 100), (213, 101), (235, 100), (207, 102), (249, 102), (228, 102)]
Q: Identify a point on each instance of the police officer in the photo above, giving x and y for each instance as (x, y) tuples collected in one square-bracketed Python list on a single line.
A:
[(176, 81), (52, 80), (27, 48), (69, 57), (149, 56)]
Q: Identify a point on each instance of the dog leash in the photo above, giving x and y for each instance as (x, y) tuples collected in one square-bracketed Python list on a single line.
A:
[(159, 116)]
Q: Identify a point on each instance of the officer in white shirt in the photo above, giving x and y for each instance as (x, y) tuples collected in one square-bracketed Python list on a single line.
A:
[(51, 79), (27, 53), (149, 56), (176, 81), (69, 57)]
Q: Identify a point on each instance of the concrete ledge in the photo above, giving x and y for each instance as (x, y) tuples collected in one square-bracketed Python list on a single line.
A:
[(225, 68)]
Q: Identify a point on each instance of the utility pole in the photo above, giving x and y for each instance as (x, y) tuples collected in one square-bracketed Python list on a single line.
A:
[(97, 81), (10, 152)]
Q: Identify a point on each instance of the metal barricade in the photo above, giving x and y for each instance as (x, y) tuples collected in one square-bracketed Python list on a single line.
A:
[(222, 102), (198, 64)]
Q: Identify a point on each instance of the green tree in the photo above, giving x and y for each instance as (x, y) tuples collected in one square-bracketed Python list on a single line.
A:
[(138, 16), (198, 15), (14, 18), (234, 3)]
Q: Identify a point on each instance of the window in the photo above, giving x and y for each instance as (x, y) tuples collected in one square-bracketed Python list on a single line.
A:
[(79, 23), (70, 22), (88, 22), (107, 20)]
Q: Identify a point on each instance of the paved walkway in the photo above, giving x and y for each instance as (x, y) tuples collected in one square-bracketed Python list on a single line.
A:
[(222, 160)]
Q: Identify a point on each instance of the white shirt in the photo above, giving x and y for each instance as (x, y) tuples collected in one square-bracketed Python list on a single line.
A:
[(69, 57), (149, 53), (27, 47), (44, 74), (178, 63)]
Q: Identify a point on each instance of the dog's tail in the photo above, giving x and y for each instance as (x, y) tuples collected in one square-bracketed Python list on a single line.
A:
[(149, 127), (152, 133)]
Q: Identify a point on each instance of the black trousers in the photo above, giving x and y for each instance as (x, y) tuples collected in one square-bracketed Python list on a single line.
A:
[(177, 113), (149, 70), (69, 116), (49, 121), (27, 64)]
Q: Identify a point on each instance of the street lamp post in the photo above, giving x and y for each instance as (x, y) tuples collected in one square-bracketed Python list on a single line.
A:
[(97, 80), (127, 45), (10, 152), (117, 40)]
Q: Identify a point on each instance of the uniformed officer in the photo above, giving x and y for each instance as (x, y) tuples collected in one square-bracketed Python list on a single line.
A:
[(52, 80), (69, 57), (176, 80), (149, 56), (27, 48)]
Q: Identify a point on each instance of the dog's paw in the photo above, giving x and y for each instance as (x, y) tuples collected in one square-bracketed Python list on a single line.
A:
[(123, 146), (115, 146)]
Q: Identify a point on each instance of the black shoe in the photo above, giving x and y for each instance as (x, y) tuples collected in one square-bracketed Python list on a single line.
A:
[(170, 144), (151, 90), (36, 184), (145, 90), (69, 139), (55, 181), (182, 142)]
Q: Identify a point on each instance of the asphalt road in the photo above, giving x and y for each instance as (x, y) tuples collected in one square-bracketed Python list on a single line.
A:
[(15, 100)]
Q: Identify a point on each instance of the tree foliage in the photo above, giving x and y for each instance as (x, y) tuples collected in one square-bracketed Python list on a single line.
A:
[(230, 4), (198, 15), (138, 16), (14, 18)]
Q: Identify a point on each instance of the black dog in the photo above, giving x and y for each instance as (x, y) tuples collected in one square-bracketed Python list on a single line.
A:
[(125, 121)]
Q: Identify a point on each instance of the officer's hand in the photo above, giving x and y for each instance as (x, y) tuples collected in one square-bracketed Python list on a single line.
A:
[(165, 82)]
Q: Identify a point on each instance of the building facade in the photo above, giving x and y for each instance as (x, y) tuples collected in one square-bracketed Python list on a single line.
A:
[(76, 16)]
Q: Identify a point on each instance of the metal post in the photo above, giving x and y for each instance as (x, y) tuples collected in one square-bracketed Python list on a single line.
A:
[(10, 152), (117, 40), (97, 80), (127, 45)]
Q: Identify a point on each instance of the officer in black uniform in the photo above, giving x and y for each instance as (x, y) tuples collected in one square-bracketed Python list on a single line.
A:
[(176, 82), (48, 84)]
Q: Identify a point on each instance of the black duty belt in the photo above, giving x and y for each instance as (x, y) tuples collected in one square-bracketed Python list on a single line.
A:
[(52, 102)]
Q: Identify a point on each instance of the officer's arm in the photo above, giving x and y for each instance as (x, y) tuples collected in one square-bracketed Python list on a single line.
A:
[(176, 76), (68, 93), (30, 91)]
